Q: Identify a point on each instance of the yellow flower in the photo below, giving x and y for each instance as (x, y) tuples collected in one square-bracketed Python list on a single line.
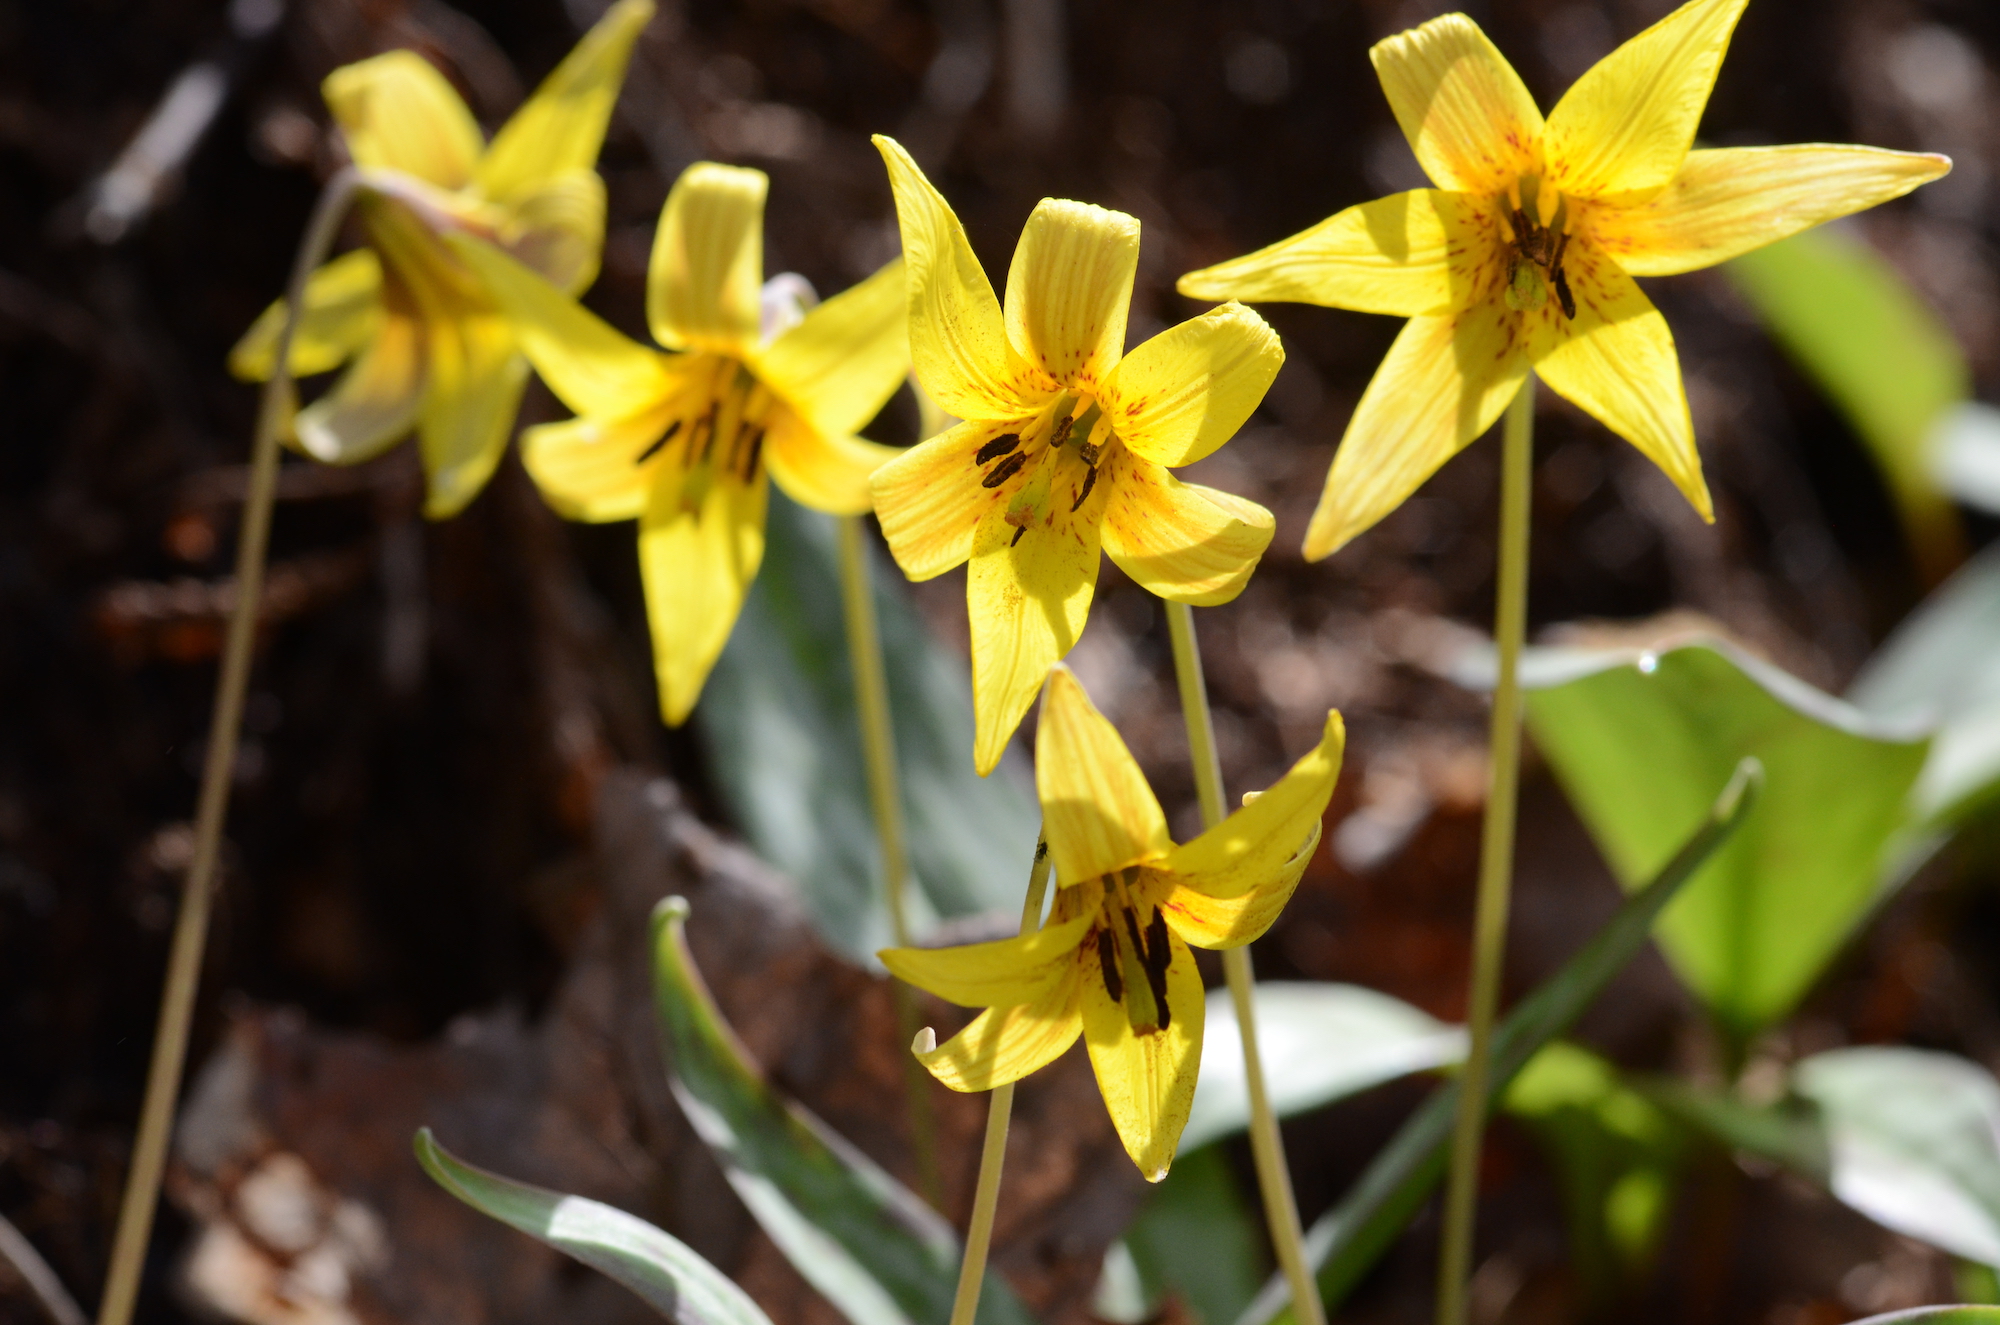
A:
[(685, 441), (1524, 254), (1112, 964), (1065, 444), (430, 350)]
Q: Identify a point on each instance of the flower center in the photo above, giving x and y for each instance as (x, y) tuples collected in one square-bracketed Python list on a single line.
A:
[(723, 435), (1134, 956), (1060, 448), (1535, 222)]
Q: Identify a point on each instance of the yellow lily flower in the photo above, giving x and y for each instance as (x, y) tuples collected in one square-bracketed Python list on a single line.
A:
[(1112, 963), (684, 441), (430, 350), (1523, 255), (1066, 440)]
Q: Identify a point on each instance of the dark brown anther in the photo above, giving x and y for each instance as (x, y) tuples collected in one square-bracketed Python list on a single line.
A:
[(999, 446), (1563, 296), (1090, 451), (1107, 961), (1159, 955), (705, 428), (653, 448), (1017, 535), (752, 454), (1060, 436), (1089, 482), (1005, 470)]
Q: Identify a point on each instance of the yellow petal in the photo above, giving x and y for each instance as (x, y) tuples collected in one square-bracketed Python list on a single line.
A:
[(697, 565), (1179, 540), (1255, 845), (476, 378), (827, 473), (1098, 811), (1186, 391), (958, 337), (375, 404), (1728, 201), (1005, 1044), (1617, 363), (343, 308), (1147, 1080), (1405, 254), (843, 361), (1443, 383), (1231, 922), (1625, 127), (704, 288), (1462, 106), (1070, 288), (992, 975), (598, 469), (1027, 601), (561, 127), (397, 112), (931, 498), (594, 368), (557, 229)]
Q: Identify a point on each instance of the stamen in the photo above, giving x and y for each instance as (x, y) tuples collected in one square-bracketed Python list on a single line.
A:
[(1089, 482), (653, 448), (1017, 535), (999, 446), (754, 452), (1159, 956), (1060, 436), (1005, 470), (1107, 961), (1547, 204)]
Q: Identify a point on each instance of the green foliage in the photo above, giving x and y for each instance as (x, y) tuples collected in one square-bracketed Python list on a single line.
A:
[(1615, 1151), (866, 1242), (1638, 740), (1952, 1315), (1199, 1238), (668, 1274), (785, 749), (1343, 1243)]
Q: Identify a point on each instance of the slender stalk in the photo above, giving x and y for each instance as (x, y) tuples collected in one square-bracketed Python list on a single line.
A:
[(878, 746), (993, 1155), (1496, 858), (1267, 1145), (42, 1281), (163, 1079)]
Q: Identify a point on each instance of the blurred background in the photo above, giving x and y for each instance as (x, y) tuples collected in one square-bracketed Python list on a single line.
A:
[(435, 707)]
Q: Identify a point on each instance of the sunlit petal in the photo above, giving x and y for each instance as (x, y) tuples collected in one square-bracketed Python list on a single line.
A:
[(397, 112), (697, 556), (992, 975), (476, 376), (561, 127), (1442, 384), (1069, 289), (1231, 922), (931, 498), (1728, 201), (557, 229), (1098, 811), (1253, 845), (705, 285), (1005, 1044), (1179, 540), (598, 469), (827, 473), (1626, 125), (343, 308), (1147, 1080), (375, 403), (846, 357), (1186, 391), (1462, 106), (1616, 361), (958, 337)]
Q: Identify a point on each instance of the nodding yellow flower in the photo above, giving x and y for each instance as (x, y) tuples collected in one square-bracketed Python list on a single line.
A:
[(430, 350), (1112, 964), (1523, 255), (685, 441), (1066, 440)]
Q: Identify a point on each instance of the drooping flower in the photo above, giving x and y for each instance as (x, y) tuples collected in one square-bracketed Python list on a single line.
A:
[(430, 350), (1066, 440), (686, 440), (1112, 964), (1523, 255)]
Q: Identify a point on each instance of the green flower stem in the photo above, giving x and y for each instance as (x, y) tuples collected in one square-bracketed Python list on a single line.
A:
[(878, 745), (1267, 1146), (993, 1155), (163, 1078), (1496, 858)]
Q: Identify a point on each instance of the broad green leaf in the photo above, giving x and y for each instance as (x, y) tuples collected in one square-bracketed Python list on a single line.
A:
[(866, 1242), (1942, 665), (1320, 1042), (1638, 744), (1880, 354), (1951, 1315), (660, 1268), (784, 742), (1344, 1242), (1199, 1238), (1617, 1154)]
